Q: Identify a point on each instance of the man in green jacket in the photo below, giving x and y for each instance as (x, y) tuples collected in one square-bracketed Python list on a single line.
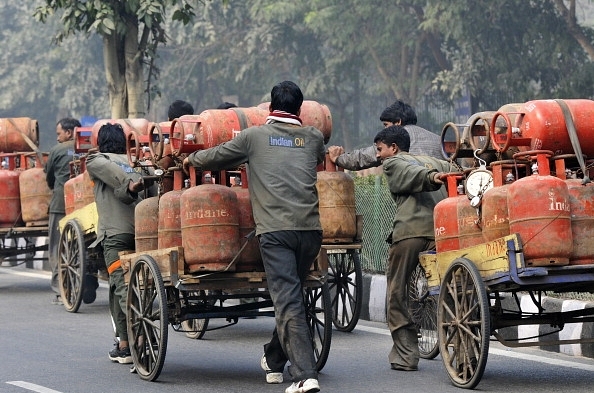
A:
[(281, 156), (415, 183)]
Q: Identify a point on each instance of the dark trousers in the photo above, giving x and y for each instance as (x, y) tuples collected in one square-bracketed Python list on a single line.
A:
[(403, 258), (287, 257)]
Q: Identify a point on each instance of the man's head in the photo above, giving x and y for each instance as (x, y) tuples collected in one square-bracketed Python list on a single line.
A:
[(111, 139), (65, 129), (178, 108), (226, 105), (287, 97), (399, 113), (390, 141)]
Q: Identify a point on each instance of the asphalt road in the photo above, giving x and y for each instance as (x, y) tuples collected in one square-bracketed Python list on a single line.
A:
[(45, 349)]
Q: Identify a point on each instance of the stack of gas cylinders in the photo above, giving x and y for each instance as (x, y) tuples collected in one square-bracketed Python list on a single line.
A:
[(23, 190), (541, 183), (209, 213)]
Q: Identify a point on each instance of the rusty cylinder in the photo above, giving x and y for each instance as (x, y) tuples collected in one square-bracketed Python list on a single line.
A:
[(10, 214), (169, 228), (146, 224), (250, 258), (581, 200), (17, 133), (210, 227), (336, 193), (35, 196), (445, 217)]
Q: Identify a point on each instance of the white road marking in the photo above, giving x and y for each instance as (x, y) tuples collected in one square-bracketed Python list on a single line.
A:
[(32, 387), (503, 352)]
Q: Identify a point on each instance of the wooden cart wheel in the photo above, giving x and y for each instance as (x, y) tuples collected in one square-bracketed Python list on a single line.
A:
[(71, 265), (345, 281), (147, 318), (195, 328), (464, 326), (319, 319), (423, 311)]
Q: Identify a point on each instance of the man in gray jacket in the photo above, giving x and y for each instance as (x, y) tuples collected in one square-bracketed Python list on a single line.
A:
[(282, 156), (422, 141)]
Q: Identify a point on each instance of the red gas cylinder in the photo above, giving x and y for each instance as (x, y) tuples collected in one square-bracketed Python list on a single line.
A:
[(83, 190), (539, 211), (210, 227), (336, 193), (10, 213), (17, 134), (169, 231), (312, 114), (35, 194), (469, 225), (445, 217), (540, 125), (581, 200), (250, 258), (212, 127), (146, 224)]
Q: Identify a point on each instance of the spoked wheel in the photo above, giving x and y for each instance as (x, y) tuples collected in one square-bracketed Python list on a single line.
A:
[(464, 326), (147, 318), (423, 311), (345, 281), (195, 328), (319, 319), (72, 266)]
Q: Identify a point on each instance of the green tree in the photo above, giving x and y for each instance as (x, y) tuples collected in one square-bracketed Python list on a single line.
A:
[(131, 32)]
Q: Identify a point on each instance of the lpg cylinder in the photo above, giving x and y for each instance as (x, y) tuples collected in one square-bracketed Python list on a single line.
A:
[(250, 258), (209, 226), (445, 217), (336, 193), (539, 211), (35, 195), (17, 134), (581, 200), (10, 214), (541, 126), (83, 190), (494, 211), (146, 224), (169, 227), (470, 232)]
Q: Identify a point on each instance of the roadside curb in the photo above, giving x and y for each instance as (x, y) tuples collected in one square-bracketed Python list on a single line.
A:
[(374, 304)]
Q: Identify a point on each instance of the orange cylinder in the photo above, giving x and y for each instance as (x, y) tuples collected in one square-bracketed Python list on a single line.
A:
[(495, 215), (469, 231), (169, 228), (14, 133), (540, 125), (250, 258), (209, 226), (539, 211), (83, 190), (212, 127), (581, 200), (69, 196), (146, 224), (10, 213), (336, 193), (35, 196), (445, 217)]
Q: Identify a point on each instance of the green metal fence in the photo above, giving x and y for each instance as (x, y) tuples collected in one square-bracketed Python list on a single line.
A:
[(374, 203)]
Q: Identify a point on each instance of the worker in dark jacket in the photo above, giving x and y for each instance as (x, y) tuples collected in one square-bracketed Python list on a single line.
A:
[(281, 156)]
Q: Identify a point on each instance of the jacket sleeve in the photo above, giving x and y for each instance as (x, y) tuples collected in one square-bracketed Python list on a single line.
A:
[(227, 155), (359, 159), (406, 177)]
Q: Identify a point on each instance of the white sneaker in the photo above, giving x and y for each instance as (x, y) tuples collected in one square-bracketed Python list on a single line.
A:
[(271, 376), (306, 386)]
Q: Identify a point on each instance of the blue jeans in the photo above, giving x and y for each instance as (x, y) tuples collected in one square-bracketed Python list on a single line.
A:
[(287, 257)]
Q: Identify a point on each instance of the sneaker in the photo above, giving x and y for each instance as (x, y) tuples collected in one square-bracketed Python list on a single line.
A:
[(271, 376), (306, 386), (122, 356)]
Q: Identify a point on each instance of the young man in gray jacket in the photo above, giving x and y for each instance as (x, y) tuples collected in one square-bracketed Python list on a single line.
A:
[(282, 157)]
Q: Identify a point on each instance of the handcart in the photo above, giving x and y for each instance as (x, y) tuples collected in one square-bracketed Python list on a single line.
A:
[(162, 292)]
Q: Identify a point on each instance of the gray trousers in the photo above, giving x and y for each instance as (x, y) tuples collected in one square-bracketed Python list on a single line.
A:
[(53, 243), (287, 257), (403, 258)]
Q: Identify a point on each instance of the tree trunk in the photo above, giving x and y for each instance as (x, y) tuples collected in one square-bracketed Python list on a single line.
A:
[(134, 73), (115, 75)]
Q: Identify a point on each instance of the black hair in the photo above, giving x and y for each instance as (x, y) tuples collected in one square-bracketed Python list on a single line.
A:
[(226, 105), (111, 139), (178, 108), (286, 96), (68, 123), (394, 134), (399, 111)]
